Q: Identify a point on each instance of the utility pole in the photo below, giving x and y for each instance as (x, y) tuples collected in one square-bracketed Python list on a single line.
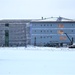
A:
[(72, 41), (35, 41)]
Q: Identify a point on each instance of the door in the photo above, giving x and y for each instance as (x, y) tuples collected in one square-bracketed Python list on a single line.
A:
[(7, 38)]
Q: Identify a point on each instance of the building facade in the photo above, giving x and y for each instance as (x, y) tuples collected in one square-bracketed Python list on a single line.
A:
[(52, 32), (36, 33), (13, 32)]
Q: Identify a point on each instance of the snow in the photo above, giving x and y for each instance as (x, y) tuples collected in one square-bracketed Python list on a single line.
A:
[(37, 61)]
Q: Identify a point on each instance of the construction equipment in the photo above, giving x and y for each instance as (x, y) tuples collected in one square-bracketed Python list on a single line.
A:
[(71, 40)]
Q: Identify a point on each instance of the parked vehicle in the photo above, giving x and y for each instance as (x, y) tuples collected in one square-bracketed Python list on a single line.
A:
[(72, 46)]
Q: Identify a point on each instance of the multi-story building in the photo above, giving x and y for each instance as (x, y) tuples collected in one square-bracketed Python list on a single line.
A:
[(36, 32), (52, 32), (14, 32)]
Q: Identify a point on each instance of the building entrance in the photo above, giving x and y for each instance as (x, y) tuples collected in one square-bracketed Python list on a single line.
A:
[(6, 38)]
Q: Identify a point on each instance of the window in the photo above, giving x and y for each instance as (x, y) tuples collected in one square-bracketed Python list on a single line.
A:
[(35, 30), (44, 43), (41, 37), (60, 32), (51, 24), (7, 25), (61, 26), (41, 30), (62, 37), (47, 30), (44, 36), (72, 30), (50, 30), (44, 30), (44, 24)]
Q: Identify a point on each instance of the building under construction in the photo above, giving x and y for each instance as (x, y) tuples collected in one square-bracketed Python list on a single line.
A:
[(14, 32), (38, 32)]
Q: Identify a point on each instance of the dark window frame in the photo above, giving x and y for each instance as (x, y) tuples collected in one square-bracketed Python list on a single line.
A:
[(7, 24)]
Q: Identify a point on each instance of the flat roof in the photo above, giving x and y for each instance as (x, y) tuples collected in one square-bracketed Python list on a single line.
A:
[(34, 21), (52, 21), (15, 20)]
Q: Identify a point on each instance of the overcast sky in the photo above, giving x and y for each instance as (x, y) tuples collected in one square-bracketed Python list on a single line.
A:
[(21, 9)]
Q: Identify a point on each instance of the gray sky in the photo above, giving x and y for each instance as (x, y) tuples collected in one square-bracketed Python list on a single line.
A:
[(21, 9)]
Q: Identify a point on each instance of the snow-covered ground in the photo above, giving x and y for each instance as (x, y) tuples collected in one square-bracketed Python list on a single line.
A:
[(37, 61)]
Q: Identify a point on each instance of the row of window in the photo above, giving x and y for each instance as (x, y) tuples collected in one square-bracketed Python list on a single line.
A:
[(59, 31), (15, 38), (62, 32), (18, 37), (46, 25), (16, 31), (45, 36), (59, 25), (44, 31), (14, 44), (43, 24), (61, 37), (7, 25)]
